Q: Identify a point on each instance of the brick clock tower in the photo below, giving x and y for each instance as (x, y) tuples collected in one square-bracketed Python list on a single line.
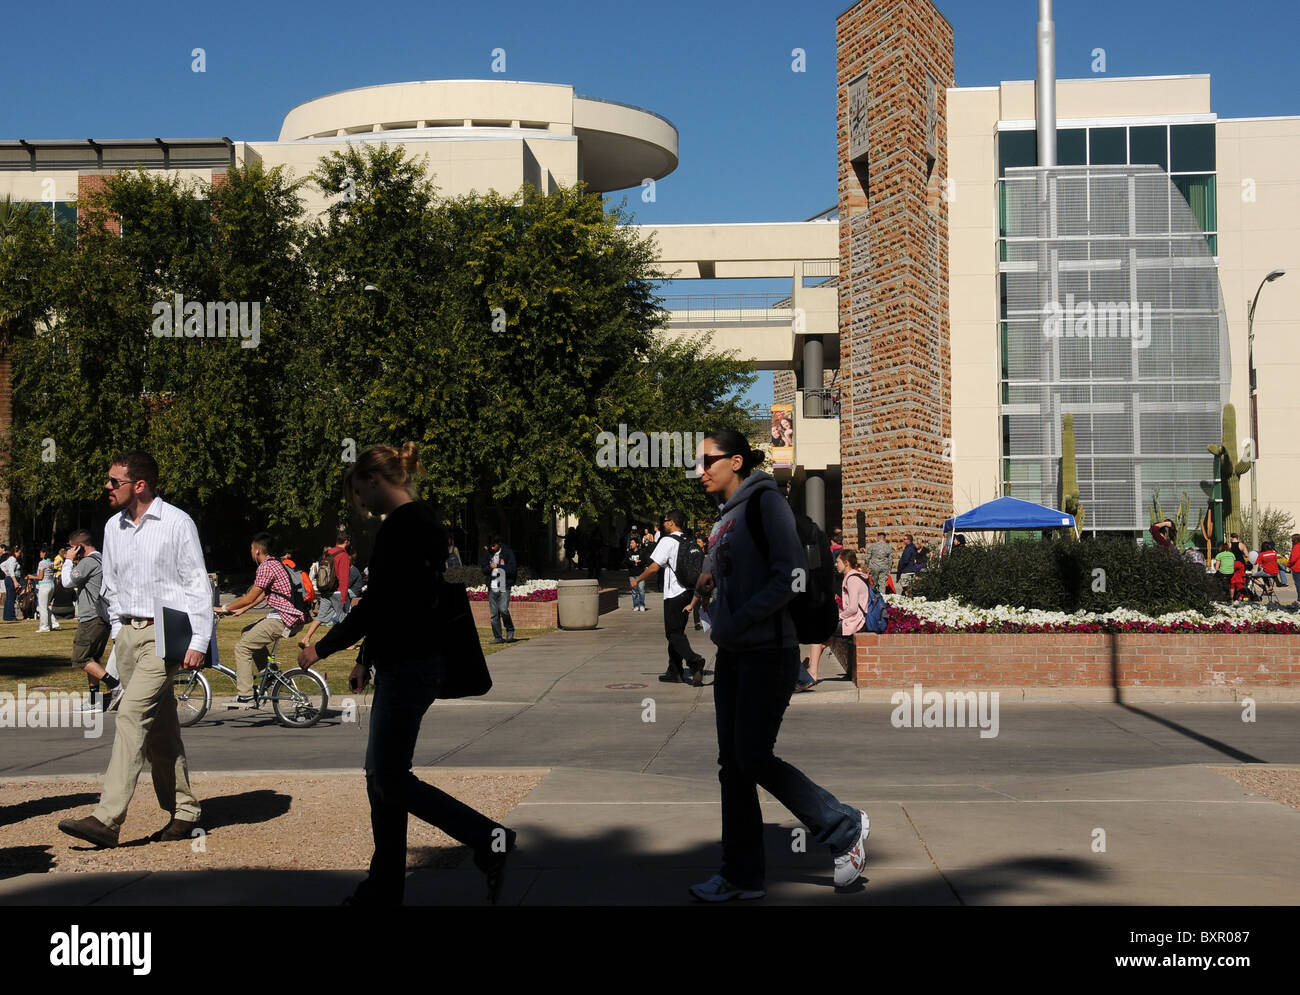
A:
[(894, 66)]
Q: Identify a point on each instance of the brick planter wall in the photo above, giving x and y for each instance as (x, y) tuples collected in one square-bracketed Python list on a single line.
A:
[(539, 614), (1079, 660), (526, 614)]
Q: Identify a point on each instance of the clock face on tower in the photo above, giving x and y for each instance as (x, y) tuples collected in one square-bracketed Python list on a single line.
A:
[(858, 98)]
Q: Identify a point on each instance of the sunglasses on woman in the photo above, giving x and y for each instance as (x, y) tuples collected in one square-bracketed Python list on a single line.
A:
[(708, 459)]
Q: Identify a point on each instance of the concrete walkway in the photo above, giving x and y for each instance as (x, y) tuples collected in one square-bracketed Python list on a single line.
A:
[(628, 813)]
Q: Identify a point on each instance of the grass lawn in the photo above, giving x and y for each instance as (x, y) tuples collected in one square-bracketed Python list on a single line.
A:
[(41, 660)]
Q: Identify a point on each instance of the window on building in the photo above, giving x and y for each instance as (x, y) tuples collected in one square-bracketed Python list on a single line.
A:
[(1071, 147), (1191, 148), (1149, 146), (1199, 192), (65, 212), (1017, 148), (1109, 147)]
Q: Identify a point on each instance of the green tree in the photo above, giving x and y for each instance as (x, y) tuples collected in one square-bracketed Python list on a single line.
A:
[(32, 252), (505, 334), (98, 379)]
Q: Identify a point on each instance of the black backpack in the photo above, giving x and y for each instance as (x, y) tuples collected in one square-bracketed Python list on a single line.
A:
[(690, 562), (816, 616)]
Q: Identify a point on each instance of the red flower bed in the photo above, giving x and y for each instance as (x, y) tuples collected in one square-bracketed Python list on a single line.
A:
[(903, 621)]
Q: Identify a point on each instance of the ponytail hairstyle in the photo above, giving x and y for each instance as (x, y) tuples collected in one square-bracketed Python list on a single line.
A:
[(399, 467), (849, 557), (734, 444)]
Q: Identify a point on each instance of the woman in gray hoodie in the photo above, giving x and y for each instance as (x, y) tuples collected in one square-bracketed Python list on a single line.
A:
[(754, 676)]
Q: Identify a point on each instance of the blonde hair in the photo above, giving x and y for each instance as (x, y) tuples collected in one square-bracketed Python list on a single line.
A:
[(399, 467)]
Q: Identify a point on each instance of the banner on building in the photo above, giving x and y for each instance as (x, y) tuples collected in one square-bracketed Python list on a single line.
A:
[(782, 435)]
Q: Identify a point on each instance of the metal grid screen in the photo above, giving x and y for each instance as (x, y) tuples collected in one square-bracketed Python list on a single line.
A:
[(1112, 311)]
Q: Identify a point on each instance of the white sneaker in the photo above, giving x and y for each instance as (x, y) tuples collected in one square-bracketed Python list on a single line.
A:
[(42, 630), (719, 889), (114, 701), (848, 865)]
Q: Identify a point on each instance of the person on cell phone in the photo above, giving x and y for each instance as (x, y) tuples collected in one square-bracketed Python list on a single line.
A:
[(402, 645), (83, 572)]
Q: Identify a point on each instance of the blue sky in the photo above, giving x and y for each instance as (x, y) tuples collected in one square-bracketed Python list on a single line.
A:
[(757, 140)]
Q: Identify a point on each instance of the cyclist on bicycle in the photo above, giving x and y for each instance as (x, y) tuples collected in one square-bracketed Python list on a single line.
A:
[(282, 621)]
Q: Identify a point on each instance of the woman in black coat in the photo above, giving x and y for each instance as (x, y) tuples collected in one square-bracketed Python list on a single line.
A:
[(394, 619)]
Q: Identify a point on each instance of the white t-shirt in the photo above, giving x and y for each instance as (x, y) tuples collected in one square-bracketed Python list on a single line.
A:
[(9, 567), (497, 582), (665, 555)]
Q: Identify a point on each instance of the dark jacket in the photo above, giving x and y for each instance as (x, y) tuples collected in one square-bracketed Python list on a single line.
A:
[(509, 556), (751, 598), (634, 568), (405, 572), (907, 559)]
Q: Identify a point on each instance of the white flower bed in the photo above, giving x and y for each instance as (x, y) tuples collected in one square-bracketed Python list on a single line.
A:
[(521, 590), (951, 612)]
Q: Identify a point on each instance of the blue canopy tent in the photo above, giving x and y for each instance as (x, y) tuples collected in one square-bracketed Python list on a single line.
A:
[(1007, 514)]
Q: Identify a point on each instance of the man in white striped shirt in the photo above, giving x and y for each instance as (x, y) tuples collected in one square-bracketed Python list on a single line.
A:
[(152, 557)]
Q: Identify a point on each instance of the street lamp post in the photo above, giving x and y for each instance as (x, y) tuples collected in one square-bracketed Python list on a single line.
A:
[(1254, 419)]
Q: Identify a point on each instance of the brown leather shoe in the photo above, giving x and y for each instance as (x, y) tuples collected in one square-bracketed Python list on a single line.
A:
[(177, 829), (91, 830)]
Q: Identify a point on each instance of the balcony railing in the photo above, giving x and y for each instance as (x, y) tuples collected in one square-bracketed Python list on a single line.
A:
[(821, 403), (729, 309)]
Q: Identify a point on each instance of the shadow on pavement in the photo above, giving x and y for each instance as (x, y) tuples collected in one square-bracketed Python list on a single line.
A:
[(10, 814), (25, 860), (246, 808), (1210, 741)]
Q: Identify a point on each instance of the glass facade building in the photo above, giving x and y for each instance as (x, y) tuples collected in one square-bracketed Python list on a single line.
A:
[(1111, 310)]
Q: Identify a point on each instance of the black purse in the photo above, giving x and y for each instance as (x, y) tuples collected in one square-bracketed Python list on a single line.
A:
[(466, 674)]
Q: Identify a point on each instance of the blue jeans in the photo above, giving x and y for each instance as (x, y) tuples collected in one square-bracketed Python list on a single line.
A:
[(499, 608), (751, 692), (403, 693), (11, 599), (638, 595)]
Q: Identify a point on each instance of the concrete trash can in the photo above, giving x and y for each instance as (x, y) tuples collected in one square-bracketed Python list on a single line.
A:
[(578, 604)]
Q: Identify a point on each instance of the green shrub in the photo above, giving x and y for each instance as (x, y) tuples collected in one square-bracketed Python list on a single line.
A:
[(1095, 575), (1275, 526)]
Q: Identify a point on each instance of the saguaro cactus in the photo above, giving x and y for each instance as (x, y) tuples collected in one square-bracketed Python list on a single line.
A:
[(1070, 503), (1179, 517), (1230, 471)]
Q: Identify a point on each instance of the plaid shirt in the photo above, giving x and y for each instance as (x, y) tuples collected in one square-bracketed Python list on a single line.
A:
[(273, 578)]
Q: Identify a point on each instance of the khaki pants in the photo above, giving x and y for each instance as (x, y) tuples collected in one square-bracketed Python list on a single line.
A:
[(146, 729), (251, 650)]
